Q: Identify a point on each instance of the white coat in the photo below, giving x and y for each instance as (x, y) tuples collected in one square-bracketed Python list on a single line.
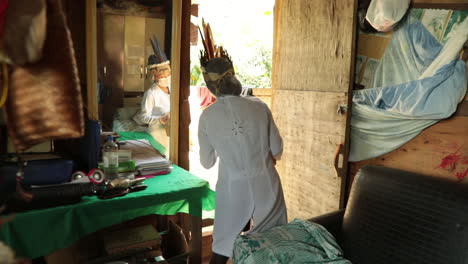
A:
[(156, 104), (242, 133)]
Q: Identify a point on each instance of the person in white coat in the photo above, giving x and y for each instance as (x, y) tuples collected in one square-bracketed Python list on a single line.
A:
[(155, 106), (241, 132)]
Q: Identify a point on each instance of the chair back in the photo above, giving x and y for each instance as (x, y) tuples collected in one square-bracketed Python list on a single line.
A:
[(395, 216)]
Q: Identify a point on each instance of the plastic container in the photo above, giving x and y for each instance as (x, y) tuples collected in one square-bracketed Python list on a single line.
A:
[(125, 155), (39, 172), (124, 166), (110, 159)]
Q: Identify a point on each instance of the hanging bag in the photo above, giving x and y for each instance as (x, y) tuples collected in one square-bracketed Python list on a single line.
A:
[(44, 102), (384, 14)]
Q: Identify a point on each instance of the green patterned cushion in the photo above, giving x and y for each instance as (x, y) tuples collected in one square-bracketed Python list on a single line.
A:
[(297, 242)]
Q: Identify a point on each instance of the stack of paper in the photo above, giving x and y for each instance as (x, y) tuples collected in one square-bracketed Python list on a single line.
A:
[(148, 160)]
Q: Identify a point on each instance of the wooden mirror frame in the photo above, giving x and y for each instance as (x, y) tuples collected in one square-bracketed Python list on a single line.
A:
[(91, 70)]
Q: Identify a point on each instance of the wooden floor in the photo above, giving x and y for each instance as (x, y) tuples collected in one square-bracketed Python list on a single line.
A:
[(207, 239)]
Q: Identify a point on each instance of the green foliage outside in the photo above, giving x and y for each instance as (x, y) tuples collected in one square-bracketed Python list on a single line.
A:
[(256, 72), (248, 40), (253, 72), (196, 76)]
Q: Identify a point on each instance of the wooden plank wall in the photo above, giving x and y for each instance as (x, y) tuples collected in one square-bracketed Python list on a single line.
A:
[(313, 53), (439, 151)]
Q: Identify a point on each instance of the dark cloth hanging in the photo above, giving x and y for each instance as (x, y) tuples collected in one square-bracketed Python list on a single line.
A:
[(3, 8)]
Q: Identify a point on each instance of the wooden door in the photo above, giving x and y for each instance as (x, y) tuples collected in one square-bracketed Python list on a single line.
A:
[(110, 54), (134, 65), (312, 66)]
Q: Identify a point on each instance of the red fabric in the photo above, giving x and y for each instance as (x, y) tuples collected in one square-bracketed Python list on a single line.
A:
[(149, 176), (206, 97), (3, 9)]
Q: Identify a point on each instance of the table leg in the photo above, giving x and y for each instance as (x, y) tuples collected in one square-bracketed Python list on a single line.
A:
[(196, 232), (196, 240)]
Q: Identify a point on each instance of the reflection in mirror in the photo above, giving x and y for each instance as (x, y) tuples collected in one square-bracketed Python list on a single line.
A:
[(133, 46)]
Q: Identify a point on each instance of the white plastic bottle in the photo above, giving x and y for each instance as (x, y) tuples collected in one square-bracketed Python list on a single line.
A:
[(110, 158)]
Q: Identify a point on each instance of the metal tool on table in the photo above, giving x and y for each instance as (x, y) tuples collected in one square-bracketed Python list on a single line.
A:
[(95, 176), (122, 186)]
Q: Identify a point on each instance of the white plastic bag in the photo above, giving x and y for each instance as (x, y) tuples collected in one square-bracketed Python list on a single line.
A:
[(383, 14)]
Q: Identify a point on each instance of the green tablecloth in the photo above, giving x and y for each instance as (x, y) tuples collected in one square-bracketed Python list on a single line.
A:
[(41, 232)]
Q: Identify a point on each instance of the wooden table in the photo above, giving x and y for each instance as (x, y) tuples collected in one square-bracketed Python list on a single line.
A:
[(40, 232)]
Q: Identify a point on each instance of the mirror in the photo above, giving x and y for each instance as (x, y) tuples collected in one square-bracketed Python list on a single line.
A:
[(130, 94)]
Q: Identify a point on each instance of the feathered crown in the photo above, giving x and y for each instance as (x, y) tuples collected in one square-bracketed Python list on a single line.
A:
[(159, 57), (211, 50)]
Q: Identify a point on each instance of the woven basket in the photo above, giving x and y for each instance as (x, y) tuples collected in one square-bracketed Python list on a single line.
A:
[(45, 97)]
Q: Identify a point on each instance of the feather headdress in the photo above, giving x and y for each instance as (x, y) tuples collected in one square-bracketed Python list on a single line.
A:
[(211, 51), (159, 57)]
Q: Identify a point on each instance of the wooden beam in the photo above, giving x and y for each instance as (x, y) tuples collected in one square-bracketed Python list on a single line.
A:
[(184, 107), (91, 60), (441, 4), (262, 91), (276, 49), (136, 13), (175, 77), (346, 144)]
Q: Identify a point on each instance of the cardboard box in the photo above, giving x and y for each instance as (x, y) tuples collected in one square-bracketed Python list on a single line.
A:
[(127, 239)]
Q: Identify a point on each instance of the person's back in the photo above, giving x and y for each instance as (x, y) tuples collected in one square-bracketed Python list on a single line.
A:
[(242, 133)]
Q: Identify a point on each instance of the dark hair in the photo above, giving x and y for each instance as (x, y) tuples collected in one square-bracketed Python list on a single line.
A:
[(229, 84)]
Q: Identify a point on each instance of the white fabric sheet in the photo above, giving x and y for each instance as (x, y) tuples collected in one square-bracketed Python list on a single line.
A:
[(417, 83)]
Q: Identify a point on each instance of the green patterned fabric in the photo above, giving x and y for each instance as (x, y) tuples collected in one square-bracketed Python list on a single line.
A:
[(297, 242)]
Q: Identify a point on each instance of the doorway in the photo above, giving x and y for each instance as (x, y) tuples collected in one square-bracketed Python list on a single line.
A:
[(245, 29)]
